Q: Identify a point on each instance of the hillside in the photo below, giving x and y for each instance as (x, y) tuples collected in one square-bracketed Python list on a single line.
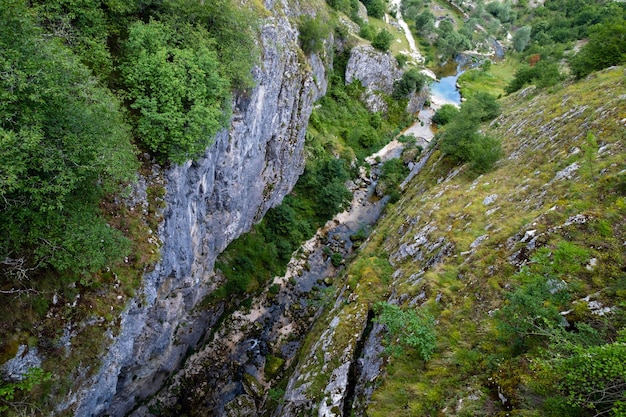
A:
[(522, 270), (173, 180)]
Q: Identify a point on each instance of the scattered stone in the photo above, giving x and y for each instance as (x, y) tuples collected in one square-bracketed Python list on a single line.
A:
[(529, 235), (490, 199), (593, 262), (567, 173), (478, 241)]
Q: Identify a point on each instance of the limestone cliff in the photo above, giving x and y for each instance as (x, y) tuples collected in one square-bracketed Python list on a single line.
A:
[(210, 202), (376, 71)]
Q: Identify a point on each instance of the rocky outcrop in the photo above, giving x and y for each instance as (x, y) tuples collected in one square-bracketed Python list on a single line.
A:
[(376, 71), (210, 202)]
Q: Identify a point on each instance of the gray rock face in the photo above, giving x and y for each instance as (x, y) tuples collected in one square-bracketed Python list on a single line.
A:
[(376, 71), (16, 369), (210, 202)]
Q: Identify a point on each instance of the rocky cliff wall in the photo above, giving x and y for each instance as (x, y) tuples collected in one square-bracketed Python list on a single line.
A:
[(209, 203)]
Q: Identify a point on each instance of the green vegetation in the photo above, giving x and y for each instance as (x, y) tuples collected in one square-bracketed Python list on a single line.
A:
[(340, 126), (11, 391), (606, 47), (450, 42), (461, 140), (173, 83), (63, 143), (392, 173), (445, 114), (529, 303), (490, 78), (83, 85), (382, 40), (412, 80), (313, 32), (375, 8), (521, 37), (412, 328), (542, 74)]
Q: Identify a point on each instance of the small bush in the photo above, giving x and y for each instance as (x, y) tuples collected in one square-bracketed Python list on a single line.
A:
[(413, 328), (402, 60), (336, 259), (367, 32), (312, 34), (382, 40), (412, 80), (445, 114)]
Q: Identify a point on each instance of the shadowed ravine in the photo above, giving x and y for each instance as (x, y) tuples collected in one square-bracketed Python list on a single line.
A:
[(240, 357)]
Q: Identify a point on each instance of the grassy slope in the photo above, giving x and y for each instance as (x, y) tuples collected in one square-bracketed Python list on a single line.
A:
[(542, 134)]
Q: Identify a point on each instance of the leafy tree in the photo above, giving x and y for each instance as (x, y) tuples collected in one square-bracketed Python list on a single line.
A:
[(606, 47), (411, 81), (232, 27), (482, 106), (63, 142), (521, 37), (594, 378), (175, 87), (461, 140), (484, 153), (375, 8), (410, 9), (449, 42), (445, 114), (425, 23), (13, 392), (83, 26), (382, 40), (413, 328), (543, 74), (502, 11)]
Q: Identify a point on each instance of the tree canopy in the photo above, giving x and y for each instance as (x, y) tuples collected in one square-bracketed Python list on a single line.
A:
[(63, 141), (175, 86)]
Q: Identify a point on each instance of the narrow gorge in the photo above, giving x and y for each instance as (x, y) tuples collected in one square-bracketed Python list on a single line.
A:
[(358, 239)]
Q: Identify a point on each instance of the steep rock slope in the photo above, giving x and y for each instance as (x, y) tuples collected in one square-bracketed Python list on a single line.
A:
[(210, 202), (455, 245)]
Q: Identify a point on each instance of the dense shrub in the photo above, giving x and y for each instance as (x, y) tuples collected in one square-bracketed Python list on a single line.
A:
[(367, 31), (606, 47), (174, 84), (411, 81), (63, 143), (410, 9), (521, 37), (375, 8), (313, 32), (445, 114), (382, 40), (413, 328), (542, 74), (461, 140), (425, 23)]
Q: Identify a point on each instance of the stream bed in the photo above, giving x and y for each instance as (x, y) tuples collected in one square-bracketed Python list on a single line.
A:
[(258, 340)]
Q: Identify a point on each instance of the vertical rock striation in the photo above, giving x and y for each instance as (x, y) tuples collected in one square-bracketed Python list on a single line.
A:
[(210, 202)]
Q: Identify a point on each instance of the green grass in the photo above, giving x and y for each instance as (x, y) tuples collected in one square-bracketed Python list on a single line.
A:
[(472, 361), (492, 81)]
